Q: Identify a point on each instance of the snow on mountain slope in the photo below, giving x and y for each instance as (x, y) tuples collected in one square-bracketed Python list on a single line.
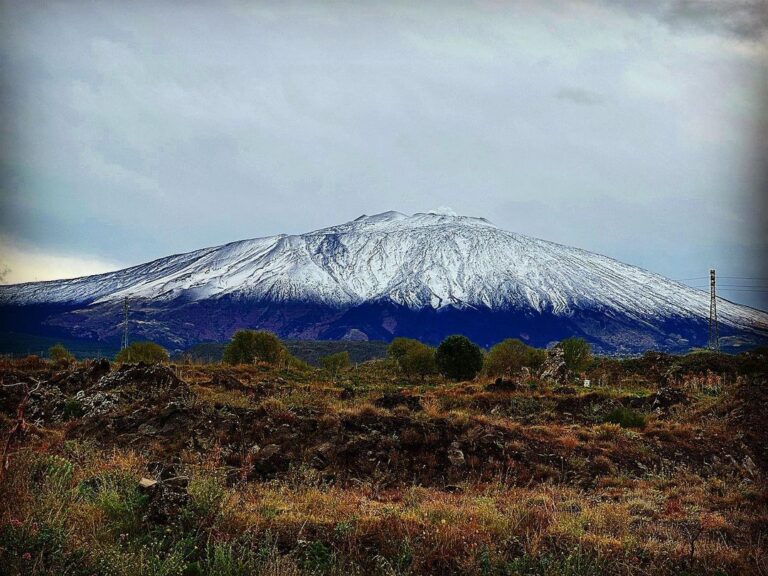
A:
[(420, 261)]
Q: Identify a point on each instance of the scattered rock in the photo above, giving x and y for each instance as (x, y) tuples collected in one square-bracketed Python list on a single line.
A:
[(554, 367), (96, 404), (146, 483), (150, 377), (322, 455), (225, 380), (667, 397), (80, 378), (46, 404), (147, 430), (502, 385), (455, 455), (268, 452), (167, 499), (390, 400)]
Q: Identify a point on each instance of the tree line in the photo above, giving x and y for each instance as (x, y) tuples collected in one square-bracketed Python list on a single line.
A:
[(456, 358)]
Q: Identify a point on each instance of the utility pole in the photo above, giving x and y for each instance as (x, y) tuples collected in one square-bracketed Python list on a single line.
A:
[(125, 324), (714, 336)]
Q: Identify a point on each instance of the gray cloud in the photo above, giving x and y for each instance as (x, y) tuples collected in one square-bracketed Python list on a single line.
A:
[(132, 130), (743, 19), (579, 96)]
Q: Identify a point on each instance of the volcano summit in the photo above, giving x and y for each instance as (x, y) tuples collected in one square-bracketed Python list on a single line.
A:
[(377, 277)]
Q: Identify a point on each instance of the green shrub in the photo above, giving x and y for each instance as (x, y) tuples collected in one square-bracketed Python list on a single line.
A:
[(249, 346), (575, 563), (207, 493), (510, 355), (228, 559), (419, 361), (58, 353), (73, 408), (413, 357), (117, 495), (38, 548), (459, 358), (317, 558), (536, 357), (399, 347), (334, 363), (147, 352), (626, 418), (577, 354)]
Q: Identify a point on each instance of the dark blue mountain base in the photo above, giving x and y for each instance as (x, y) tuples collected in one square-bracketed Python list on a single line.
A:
[(180, 324)]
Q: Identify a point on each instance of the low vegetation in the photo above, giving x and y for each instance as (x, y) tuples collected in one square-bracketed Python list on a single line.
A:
[(147, 352), (278, 468), (414, 358), (335, 363), (249, 346), (58, 353), (510, 357)]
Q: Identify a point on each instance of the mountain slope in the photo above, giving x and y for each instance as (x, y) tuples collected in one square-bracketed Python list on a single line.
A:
[(391, 274)]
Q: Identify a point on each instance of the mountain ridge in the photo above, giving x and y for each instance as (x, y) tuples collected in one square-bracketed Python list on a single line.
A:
[(408, 264)]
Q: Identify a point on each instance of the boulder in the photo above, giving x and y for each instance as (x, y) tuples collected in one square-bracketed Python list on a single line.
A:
[(502, 385), (390, 400), (554, 367), (455, 455), (167, 499)]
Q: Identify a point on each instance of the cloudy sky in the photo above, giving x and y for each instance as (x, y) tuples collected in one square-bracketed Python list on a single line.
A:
[(634, 128)]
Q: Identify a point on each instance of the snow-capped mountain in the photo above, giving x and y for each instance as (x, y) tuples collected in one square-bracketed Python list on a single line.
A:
[(424, 275)]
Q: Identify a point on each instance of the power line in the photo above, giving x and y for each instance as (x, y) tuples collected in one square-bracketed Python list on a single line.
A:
[(753, 291), (764, 278), (728, 287), (757, 278)]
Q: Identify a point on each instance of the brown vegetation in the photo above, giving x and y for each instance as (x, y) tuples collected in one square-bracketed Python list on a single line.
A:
[(658, 468)]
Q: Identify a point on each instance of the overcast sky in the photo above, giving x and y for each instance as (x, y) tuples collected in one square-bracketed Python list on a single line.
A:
[(133, 130)]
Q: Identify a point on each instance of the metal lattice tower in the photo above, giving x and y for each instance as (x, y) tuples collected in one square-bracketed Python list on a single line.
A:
[(714, 336), (125, 325)]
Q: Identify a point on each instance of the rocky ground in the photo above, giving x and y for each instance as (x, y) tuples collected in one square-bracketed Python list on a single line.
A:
[(658, 467)]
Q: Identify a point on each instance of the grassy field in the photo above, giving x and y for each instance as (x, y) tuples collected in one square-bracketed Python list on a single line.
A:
[(657, 468)]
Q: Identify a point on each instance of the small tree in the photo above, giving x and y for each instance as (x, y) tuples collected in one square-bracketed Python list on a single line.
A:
[(58, 353), (459, 358), (418, 360), (507, 357), (399, 347), (334, 363), (577, 354), (147, 352), (249, 346), (536, 358)]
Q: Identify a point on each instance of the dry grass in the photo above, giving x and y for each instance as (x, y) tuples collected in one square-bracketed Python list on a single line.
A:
[(546, 486)]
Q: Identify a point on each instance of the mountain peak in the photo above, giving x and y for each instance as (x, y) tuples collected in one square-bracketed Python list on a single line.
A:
[(437, 216), (388, 216)]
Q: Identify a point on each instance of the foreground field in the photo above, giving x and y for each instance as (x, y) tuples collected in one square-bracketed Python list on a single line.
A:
[(657, 468)]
